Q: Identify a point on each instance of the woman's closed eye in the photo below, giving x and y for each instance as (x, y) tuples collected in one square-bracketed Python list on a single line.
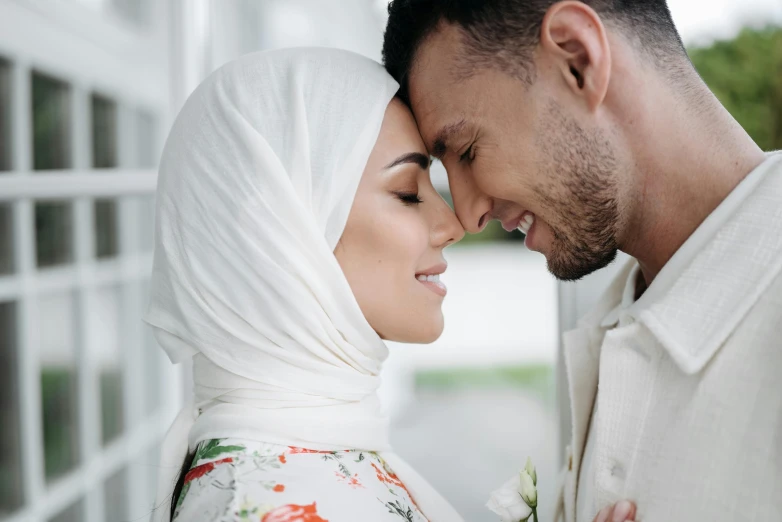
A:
[(409, 198)]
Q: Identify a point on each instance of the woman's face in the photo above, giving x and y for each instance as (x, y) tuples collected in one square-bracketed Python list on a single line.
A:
[(395, 236)]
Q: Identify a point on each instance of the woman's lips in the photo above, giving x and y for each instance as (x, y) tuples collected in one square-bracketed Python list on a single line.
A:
[(433, 283)]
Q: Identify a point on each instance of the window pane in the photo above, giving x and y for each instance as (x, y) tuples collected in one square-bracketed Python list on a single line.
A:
[(106, 230), (5, 115), (104, 132), (10, 435), (53, 226), (105, 341), (147, 140), (6, 239), (51, 123), (73, 513), (56, 318), (115, 497)]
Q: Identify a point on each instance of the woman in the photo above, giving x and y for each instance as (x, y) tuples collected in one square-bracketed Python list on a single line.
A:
[(297, 227)]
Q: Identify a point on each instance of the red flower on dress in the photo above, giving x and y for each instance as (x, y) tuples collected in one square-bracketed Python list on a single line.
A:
[(203, 469), (390, 479), (353, 481), (295, 450), (282, 458), (294, 513), (279, 488)]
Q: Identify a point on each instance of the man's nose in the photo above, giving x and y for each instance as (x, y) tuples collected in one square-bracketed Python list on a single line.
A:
[(472, 206)]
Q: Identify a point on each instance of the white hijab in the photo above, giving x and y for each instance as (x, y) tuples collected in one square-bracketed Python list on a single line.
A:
[(257, 179)]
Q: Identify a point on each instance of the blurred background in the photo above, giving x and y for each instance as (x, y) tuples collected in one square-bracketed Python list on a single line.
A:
[(88, 89)]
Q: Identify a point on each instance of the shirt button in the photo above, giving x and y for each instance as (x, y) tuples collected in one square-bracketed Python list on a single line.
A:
[(618, 471)]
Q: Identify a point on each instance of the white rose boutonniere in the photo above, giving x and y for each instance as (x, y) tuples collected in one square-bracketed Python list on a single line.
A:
[(517, 499)]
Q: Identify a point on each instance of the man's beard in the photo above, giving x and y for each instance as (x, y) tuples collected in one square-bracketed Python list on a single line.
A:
[(581, 194)]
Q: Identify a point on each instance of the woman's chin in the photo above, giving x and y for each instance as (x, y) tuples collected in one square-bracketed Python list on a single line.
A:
[(422, 331)]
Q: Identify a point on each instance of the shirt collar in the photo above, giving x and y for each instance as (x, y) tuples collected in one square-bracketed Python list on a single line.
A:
[(687, 305)]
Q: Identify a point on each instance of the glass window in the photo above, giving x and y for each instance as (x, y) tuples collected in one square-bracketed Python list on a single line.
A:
[(115, 497), (56, 319), (106, 228), (104, 156), (5, 115), (73, 513), (146, 134), (104, 132), (105, 340), (11, 495), (51, 123), (6, 239), (53, 233)]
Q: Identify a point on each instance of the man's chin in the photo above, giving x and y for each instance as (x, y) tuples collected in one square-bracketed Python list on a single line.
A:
[(573, 269)]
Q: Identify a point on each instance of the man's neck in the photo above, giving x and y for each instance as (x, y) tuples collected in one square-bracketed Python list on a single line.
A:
[(694, 166)]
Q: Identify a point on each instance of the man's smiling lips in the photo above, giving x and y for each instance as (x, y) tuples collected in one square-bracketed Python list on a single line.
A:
[(513, 223), (522, 222)]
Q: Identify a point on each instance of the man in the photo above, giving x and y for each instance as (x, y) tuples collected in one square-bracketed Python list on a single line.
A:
[(585, 125)]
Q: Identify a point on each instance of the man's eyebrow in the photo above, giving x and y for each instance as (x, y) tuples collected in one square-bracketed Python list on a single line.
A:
[(422, 160), (440, 144)]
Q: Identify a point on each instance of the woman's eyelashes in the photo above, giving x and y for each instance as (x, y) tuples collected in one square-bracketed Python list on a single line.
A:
[(408, 198)]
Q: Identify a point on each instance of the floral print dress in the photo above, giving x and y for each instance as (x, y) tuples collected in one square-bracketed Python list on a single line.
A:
[(235, 480)]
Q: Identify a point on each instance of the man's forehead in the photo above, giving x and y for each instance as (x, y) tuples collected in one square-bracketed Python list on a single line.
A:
[(432, 89)]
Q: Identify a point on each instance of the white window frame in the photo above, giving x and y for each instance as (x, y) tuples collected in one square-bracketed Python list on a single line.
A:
[(92, 53)]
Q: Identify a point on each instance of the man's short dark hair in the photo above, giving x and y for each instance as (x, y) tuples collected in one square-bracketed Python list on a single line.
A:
[(503, 33)]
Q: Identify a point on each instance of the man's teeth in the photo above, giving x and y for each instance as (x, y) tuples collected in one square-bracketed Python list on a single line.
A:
[(430, 278), (526, 223)]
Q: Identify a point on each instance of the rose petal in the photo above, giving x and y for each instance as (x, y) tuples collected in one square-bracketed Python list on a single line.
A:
[(508, 504)]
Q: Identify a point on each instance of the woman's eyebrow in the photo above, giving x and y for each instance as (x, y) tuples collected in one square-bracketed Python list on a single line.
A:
[(422, 160)]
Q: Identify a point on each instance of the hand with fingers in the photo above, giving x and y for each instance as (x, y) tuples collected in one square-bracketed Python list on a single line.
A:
[(622, 511)]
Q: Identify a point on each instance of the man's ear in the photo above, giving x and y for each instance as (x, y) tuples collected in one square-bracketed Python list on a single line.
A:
[(575, 39)]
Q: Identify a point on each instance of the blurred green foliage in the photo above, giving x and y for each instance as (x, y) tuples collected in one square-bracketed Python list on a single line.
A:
[(51, 123), (60, 417), (538, 379), (746, 76), (53, 227)]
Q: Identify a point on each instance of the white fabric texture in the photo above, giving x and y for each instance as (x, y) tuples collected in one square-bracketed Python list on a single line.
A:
[(689, 385), (629, 309), (256, 183)]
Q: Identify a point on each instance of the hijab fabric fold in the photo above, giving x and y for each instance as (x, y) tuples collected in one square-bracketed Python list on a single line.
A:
[(256, 182)]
